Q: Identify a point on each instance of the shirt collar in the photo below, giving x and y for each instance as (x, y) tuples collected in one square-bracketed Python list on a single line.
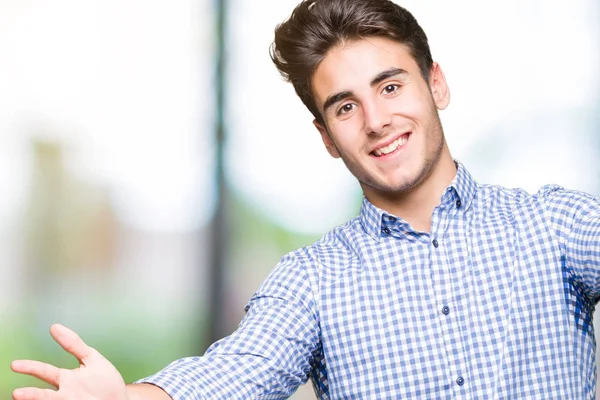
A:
[(464, 185), (372, 218)]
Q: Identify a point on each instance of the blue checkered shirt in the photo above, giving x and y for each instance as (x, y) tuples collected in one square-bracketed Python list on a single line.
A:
[(496, 302)]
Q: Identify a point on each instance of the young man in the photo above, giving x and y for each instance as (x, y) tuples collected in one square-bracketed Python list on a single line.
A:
[(441, 288)]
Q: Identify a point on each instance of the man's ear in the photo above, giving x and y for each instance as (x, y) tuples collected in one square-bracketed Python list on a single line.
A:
[(439, 87), (329, 145)]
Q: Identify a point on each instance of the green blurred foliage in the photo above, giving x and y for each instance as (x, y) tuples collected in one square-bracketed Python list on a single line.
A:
[(126, 332)]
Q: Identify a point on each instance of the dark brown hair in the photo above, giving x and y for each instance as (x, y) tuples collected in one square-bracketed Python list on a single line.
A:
[(316, 26)]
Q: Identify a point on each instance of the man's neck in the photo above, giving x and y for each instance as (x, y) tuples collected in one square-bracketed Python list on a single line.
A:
[(416, 206)]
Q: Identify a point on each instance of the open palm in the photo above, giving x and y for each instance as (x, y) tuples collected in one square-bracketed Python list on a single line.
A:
[(95, 379)]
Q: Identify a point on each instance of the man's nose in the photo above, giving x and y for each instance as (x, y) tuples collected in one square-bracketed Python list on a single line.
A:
[(377, 117)]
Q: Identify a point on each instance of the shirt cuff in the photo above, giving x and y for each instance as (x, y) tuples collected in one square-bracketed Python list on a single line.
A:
[(174, 385)]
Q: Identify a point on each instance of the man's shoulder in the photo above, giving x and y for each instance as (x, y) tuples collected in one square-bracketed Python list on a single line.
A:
[(555, 198), (335, 249), (339, 239), (547, 197), (518, 195)]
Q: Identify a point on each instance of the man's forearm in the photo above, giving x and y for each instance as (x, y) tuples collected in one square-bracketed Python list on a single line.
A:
[(146, 391)]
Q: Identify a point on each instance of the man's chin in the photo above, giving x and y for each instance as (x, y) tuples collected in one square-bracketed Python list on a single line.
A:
[(397, 187)]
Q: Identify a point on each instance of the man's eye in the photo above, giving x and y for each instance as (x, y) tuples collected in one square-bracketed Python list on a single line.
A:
[(346, 108), (390, 88)]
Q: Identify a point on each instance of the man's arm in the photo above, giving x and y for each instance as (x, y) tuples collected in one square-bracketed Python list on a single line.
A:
[(268, 355), (146, 391), (575, 218)]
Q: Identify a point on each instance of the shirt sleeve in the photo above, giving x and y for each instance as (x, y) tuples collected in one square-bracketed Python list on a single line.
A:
[(267, 357), (575, 218)]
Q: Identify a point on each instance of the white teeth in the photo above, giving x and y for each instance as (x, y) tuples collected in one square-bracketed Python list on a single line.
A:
[(390, 147)]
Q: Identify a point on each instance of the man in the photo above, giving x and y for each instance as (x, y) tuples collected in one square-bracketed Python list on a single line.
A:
[(440, 288)]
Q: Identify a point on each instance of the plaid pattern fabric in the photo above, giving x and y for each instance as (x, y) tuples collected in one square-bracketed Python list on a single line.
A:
[(496, 302)]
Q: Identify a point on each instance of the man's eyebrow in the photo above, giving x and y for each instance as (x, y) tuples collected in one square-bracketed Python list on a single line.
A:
[(334, 98), (387, 74)]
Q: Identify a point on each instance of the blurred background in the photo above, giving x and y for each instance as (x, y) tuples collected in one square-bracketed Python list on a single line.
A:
[(154, 167)]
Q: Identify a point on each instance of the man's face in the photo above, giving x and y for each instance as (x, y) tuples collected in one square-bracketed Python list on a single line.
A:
[(380, 114)]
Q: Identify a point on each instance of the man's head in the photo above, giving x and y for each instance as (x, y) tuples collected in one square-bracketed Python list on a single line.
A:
[(364, 70), (317, 26)]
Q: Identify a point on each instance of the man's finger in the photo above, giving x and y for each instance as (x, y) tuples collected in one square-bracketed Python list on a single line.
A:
[(71, 342), (34, 394), (43, 371)]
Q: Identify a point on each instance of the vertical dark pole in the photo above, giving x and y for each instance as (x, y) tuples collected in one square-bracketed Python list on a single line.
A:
[(215, 328)]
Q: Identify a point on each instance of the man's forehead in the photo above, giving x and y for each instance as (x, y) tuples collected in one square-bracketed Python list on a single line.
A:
[(357, 63), (364, 56)]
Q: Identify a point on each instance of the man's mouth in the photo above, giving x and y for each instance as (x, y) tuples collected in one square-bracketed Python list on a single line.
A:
[(392, 147)]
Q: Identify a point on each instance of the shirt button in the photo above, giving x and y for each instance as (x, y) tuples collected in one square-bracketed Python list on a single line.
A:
[(386, 231), (435, 243), (460, 381), (445, 310), (458, 203), (392, 219)]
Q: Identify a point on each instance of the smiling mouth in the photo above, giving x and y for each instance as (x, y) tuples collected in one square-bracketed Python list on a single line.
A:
[(392, 147)]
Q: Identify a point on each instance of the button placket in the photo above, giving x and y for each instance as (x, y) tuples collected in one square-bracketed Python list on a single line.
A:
[(445, 292)]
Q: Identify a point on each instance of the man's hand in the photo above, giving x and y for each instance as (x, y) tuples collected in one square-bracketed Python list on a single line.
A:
[(95, 379)]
